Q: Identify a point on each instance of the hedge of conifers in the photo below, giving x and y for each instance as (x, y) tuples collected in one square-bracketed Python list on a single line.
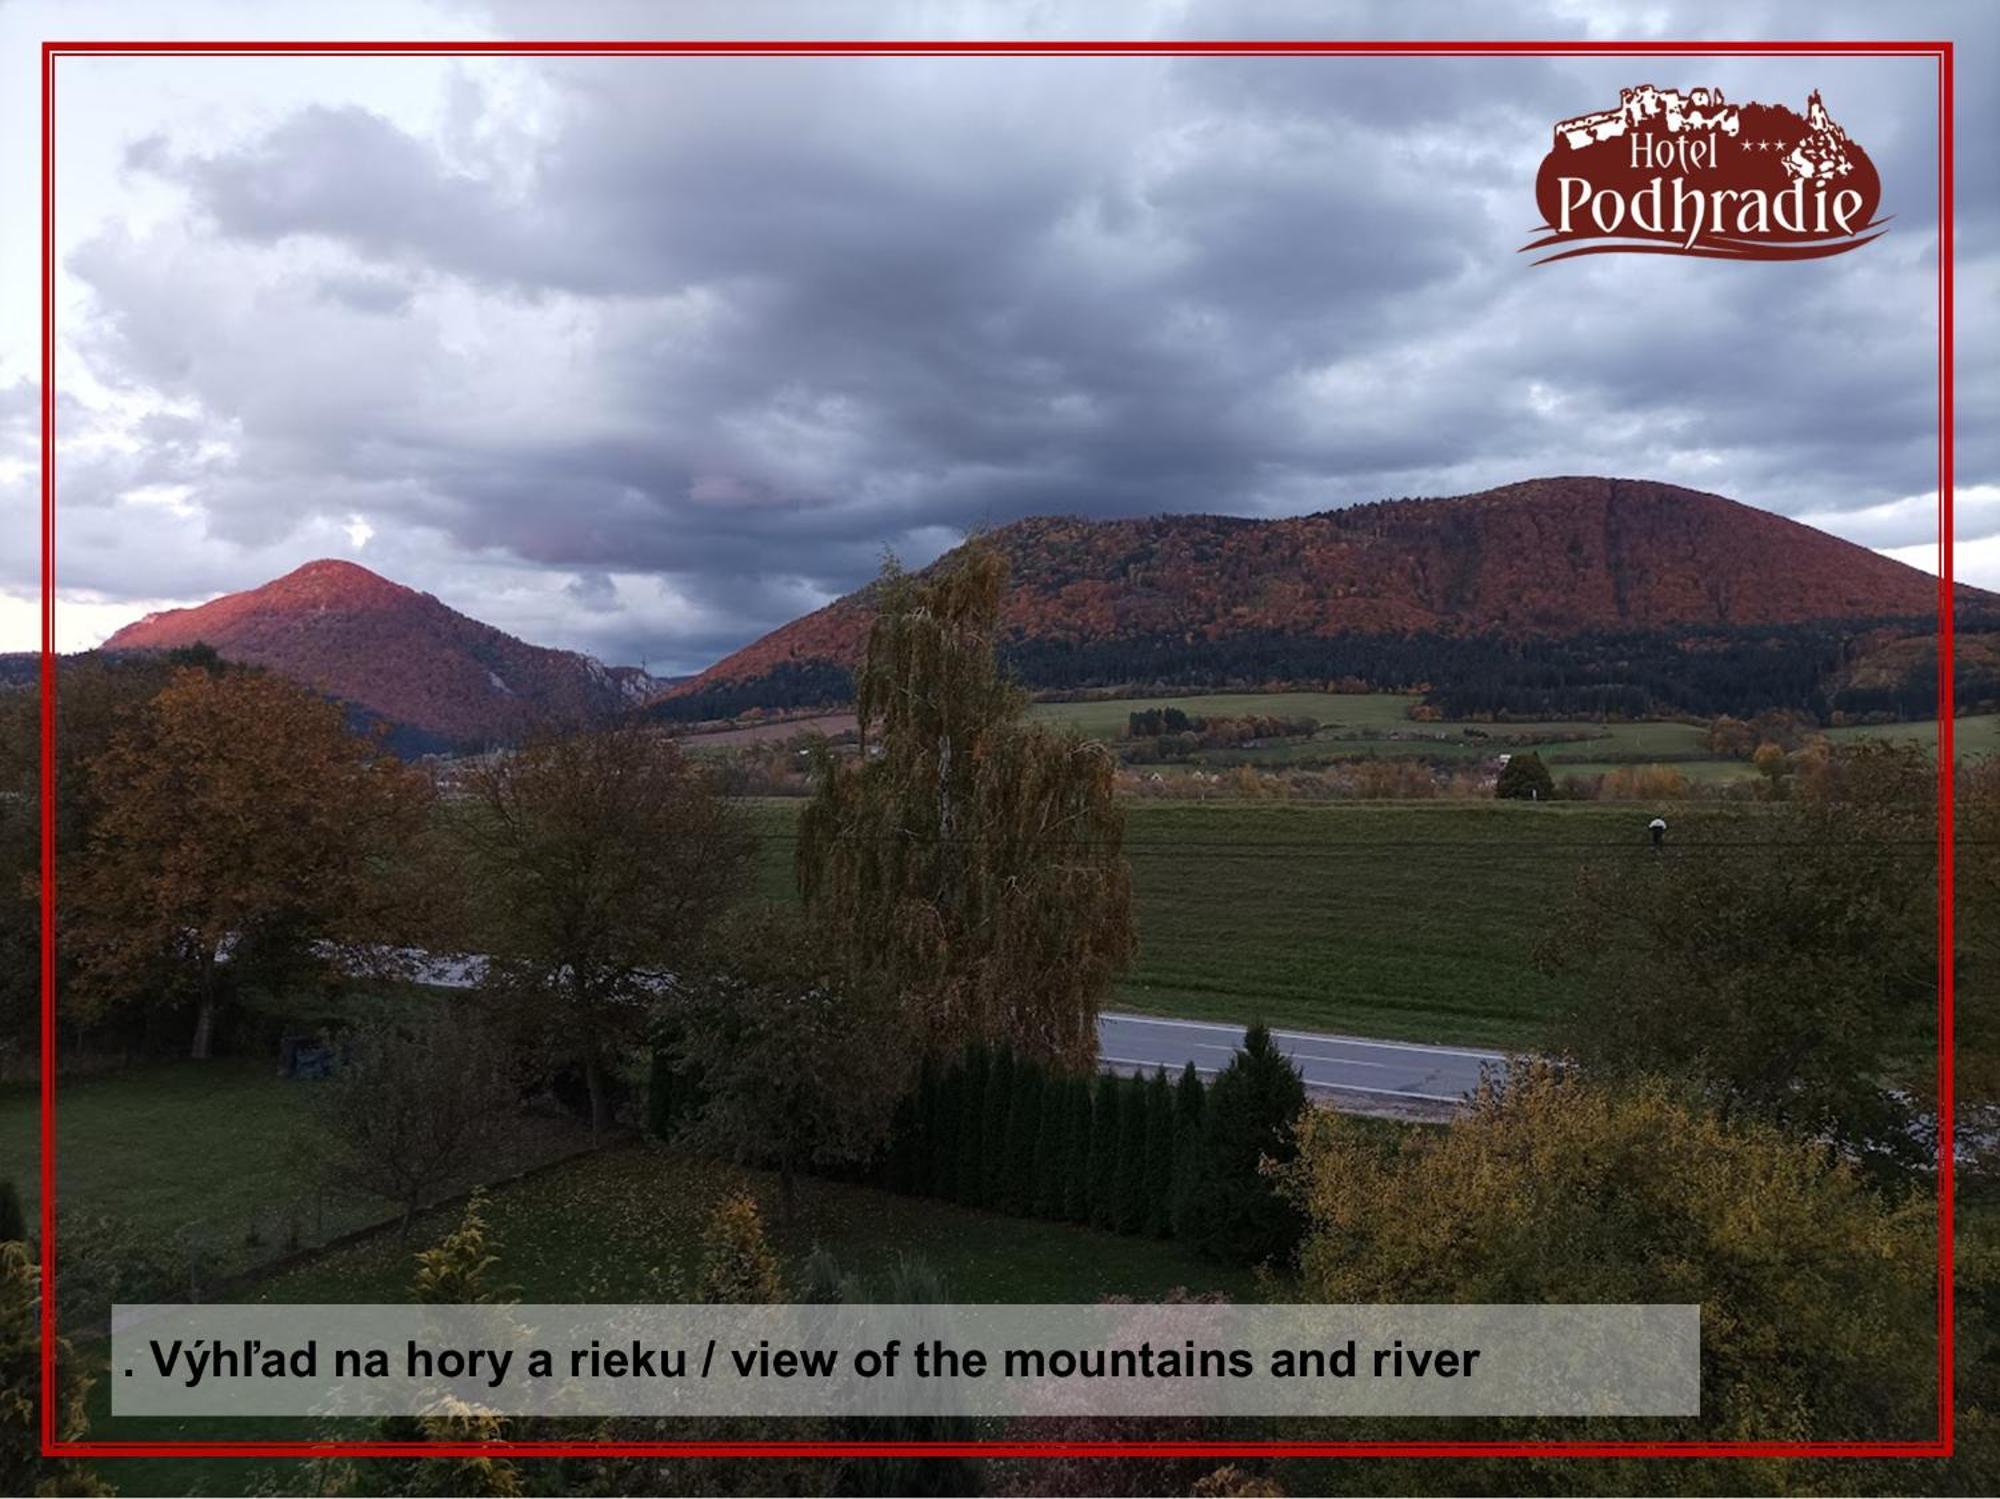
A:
[(1146, 1156)]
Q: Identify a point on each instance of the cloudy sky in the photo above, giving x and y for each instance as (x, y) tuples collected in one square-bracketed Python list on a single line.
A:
[(647, 356)]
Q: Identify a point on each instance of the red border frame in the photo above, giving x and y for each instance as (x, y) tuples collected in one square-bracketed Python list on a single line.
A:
[(1939, 1446)]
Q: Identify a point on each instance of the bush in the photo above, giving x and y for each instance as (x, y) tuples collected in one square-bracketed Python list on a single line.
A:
[(1813, 1287), (1642, 783), (106, 1260), (1525, 778), (23, 1469), (737, 1264)]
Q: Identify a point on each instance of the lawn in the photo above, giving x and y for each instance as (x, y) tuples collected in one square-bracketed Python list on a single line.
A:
[(200, 1156), (624, 1224), (1413, 921), (152, 1140)]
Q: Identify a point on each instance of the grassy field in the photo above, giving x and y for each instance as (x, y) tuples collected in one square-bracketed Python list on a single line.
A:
[(1414, 921), (1377, 725), (1377, 711), (1974, 736)]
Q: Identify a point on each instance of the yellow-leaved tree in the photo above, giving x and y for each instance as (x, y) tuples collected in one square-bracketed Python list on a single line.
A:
[(972, 861)]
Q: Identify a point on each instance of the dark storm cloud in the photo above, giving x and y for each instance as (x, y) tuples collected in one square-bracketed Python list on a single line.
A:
[(741, 324)]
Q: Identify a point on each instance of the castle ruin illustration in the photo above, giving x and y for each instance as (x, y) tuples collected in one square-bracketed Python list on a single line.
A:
[(1697, 109)]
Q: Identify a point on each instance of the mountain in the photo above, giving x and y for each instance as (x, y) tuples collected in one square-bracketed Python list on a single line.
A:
[(1615, 595), (396, 654)]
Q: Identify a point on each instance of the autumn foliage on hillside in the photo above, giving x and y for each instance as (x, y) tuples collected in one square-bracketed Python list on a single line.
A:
[(1545, 558), (345, 631)]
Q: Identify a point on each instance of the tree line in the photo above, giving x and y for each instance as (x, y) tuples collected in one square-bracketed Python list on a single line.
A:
[(1691, 670)]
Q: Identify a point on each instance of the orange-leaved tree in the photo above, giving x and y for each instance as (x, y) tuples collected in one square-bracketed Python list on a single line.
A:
[(243, 835)]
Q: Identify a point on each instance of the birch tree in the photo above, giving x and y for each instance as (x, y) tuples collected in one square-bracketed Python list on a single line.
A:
[(972, 860)]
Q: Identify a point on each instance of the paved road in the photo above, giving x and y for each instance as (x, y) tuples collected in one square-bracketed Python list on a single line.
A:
[(1342, 1067), (1346, 1070)]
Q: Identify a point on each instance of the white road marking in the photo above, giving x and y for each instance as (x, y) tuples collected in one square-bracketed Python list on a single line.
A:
[(1237, 1030)]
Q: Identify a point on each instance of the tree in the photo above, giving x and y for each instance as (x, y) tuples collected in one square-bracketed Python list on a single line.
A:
[(799, 1064), (1104, 1120), (1024, 1117), (417, 1101), (1775, 766), (23, 1469), (240, 829), (1051, 1162), (973, 860), (971, 1172), (1249, 1119), (1131, 1171), (1552, 1188), (1525, 778), (101, 697), (1189, 1096), (945, 1119), (993, 1137), (13, 1223), (603, 859), (923, 1164), (899, 1171), (664, 1095), (1159, 1155), (1079, 1164), (1785, 969), (737, 1265)]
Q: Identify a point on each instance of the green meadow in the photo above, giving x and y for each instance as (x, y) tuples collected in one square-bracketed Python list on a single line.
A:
[(1413, 920)]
